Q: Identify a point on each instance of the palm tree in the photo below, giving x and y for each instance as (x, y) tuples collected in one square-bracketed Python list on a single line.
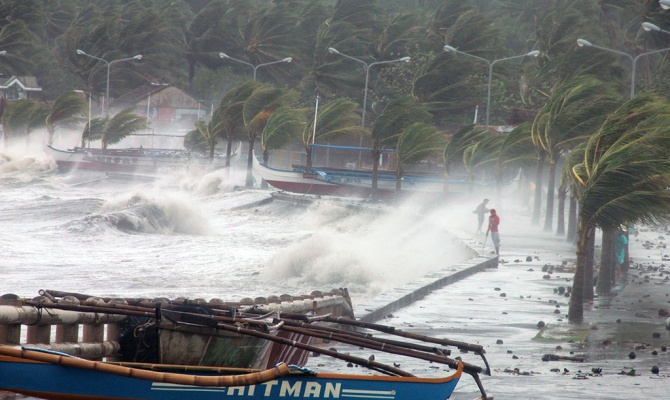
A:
[(481, 154), (228, 117), (572, 113), (334, 120), (516, 152), (624, 177), (204, 138), (282, 127), (456, 146), (398, 115), (256, 111), (22, 117), (415, 143), (66, 112), (112, 129)]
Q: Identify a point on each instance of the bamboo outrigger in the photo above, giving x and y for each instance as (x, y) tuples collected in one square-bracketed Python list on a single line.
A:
[(63, 376)]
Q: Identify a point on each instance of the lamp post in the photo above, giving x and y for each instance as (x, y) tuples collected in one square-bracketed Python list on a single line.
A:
[(533, 53), (109, 65), (665, 4), (586, 43), (648, 26), (255, 67), (367, 74)]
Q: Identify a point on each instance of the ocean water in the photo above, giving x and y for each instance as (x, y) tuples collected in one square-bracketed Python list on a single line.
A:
[(196, 233), (200, 234)]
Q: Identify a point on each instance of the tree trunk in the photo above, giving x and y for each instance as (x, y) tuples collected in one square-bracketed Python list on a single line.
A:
[(398, 181), (588, 268), (576, 307), (538, 191), (551, 186), (229, 151), (560, 222), (375, 173), (606, 274), (571, 234), (626, 257), (266, 160), (250, 163)]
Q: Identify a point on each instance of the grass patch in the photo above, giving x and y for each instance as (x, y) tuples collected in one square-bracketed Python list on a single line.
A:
[(562, 333)]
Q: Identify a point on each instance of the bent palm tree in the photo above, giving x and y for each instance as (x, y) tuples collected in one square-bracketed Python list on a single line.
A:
[(624, 175), (256, 111), (415, 143), (111, 130), (336, 119)]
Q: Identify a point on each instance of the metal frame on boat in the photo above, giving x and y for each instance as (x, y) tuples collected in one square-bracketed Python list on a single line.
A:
[(42, 371), (135, 159)]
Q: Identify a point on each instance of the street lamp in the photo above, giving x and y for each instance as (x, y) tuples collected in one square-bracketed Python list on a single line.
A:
[(586, 43), (109, 65), (367, 74), (665, 4), (255, 67), (648, 26), (533, 53), (3, 53)]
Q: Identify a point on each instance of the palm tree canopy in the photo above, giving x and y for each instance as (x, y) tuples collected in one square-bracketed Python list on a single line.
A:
[(260, 105), (67, 111), (334, 120), (396, 117), (625, 171), (111, 130), (573, 112), (418, 141), (284, 125)]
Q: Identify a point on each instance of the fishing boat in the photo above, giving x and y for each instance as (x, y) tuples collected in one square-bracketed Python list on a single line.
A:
[(46, 372), (159, 331), (130, 160), (325, 181), (50, 375)]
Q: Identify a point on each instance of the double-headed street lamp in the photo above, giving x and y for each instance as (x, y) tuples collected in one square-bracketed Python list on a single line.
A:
[(367, 74), (109, 65), (255, 67), (586, 43), (533, 53)]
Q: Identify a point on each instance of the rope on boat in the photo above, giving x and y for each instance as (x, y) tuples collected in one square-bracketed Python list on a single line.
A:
[(252, 378)]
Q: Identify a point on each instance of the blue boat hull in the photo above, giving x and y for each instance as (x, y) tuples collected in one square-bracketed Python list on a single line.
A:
[(58, 382)]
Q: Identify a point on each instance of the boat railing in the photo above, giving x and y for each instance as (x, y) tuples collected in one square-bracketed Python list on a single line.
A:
[(90, 327)]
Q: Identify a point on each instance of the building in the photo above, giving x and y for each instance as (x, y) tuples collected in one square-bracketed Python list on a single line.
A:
[(170, 110), (19, 87)]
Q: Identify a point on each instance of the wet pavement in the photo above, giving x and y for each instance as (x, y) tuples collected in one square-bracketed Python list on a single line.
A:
[(518, 312)]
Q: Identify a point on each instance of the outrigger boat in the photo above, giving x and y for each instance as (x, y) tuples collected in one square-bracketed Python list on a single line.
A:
[(50, 374), (132, 159)]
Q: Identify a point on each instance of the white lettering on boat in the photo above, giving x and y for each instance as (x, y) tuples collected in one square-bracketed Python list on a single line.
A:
[(288, 389)]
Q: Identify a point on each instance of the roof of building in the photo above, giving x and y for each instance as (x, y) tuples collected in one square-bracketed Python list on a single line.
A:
[(27, 83)]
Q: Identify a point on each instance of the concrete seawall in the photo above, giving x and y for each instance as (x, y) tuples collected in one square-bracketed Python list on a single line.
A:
[(398, 298)]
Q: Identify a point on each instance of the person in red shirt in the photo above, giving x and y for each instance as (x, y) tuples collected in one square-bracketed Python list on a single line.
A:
[(494, 221)]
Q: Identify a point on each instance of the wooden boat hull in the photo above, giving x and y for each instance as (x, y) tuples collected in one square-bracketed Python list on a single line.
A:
[(356, 184), (64, 382), (125, 160)]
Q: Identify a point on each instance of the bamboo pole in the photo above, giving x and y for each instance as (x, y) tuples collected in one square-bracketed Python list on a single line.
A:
[(178, 379)]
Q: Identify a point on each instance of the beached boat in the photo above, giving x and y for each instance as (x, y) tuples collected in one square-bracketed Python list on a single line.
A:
[(51, 375), (160, 331), (129, 160), (43, 370)]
